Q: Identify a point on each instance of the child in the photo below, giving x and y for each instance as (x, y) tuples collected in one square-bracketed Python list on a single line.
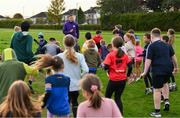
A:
[(74, 67), (97, 38), (57, 88), (172, 37), (18, 102), (138, 59), (42, 42), (131, 31), (116, 32), (104, 50), (116, 63), (120, 30), (92, 57), (95, 105), (130, 50), (172, 86), (51, 48), (88, 37), (17, 29), (147, 77)]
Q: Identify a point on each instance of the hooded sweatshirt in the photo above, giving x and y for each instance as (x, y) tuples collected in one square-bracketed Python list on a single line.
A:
[(71, 25), (12, 70), (21, 43)]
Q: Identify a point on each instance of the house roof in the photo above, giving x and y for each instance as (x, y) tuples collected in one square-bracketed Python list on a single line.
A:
[(40, 15), (2, 16), (71, 12), (92, 10)]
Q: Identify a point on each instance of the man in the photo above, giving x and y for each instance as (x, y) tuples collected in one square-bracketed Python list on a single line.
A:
[(21, 43), (12, 70), (71, 27), (159, 56)]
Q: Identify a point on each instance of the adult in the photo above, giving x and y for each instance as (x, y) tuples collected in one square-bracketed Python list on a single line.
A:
[(21, 43), (159, 56), (71, 27), (74, 67), (12, 70)]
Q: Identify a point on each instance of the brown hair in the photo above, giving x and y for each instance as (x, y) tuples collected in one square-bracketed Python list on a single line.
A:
[(49, 61), (171, 31), (103, 42), (91, 44), (88, 83), (69, 43), (18, 102), (156, 32), (148, 35), (115, 31), (118, 43), (131, 37)]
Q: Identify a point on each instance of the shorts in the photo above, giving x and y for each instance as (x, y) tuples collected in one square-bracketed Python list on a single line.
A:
[(159, 80)]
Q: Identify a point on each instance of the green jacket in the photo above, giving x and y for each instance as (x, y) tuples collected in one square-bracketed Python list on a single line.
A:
[(12, 70), (21, 43)]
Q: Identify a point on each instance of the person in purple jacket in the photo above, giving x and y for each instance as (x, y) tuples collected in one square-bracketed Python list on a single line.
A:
[(71, 27)]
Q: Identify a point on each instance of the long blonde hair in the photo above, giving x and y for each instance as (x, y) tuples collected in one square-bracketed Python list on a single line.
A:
[(69, 43), (18, 102)]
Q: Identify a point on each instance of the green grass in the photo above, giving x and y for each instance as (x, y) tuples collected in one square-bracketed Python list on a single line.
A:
[(136, 103)]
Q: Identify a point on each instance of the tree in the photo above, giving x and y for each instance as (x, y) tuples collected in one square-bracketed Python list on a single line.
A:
[(81, 16), (155, 5), (55, 11), (109, 7), (168, 4), (18, 16)]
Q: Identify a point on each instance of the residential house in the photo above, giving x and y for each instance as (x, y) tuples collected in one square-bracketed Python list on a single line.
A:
[(2, 17), (40, 18), (73, 12), (93, 15)]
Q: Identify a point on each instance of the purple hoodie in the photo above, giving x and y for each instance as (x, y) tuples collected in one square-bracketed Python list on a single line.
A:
[(71, 25)]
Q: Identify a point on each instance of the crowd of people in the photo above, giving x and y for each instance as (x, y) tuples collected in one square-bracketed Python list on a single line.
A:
[(73, 68)]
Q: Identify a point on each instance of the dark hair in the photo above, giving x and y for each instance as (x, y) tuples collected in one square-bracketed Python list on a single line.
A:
[(148, 35), (118, 43), (88, 36), (137, 43), (115, 31), (25, 26), (69, 43), (109, 46), (98, 32), (52, 39), (171, 31), (103, 42), (156, 32), (57, 63), (131, 31), (87, 84), (165, 38)]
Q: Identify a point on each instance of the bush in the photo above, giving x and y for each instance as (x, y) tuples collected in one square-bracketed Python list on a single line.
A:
[(10, 23), (142, 21)]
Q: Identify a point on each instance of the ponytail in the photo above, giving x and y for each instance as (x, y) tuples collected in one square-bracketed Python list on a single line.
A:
[(120, 53), (131, 37), (70, 55), (96, 100)]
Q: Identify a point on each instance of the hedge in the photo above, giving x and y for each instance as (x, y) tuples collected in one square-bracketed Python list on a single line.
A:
[(10, 23), (142, 21)]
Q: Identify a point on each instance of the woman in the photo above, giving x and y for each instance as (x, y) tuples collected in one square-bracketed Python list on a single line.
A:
[(74, 67), (18, 102)]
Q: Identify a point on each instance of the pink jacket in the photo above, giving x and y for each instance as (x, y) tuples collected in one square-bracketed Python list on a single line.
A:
[(139, 51)]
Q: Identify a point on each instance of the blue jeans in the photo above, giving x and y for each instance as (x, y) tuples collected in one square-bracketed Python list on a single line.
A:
[(92, 70)]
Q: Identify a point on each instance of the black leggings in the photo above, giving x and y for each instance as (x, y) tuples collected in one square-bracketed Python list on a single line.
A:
[(73, 98), (171, 79), (148, 80), (130, 68), (116, 87)]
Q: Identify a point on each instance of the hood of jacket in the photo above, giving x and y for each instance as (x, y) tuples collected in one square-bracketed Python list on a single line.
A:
[(8, 54), (21, 35)]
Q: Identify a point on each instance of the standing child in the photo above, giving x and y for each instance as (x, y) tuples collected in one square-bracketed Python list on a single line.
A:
[(57, 88), (95, 105), (116, 63), (138, 59), (88, 37), (147, 77), (97, 38), (172, 86), (51, 48), (92, 57), (74, 67), (17, 29), (130, 50), (104, 50), (172, 37), (120, 30)]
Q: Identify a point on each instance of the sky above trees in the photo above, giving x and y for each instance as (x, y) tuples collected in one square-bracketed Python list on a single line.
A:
[(31, 7)]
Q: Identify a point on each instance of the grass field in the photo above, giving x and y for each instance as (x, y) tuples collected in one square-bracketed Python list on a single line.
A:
[(136, 103)]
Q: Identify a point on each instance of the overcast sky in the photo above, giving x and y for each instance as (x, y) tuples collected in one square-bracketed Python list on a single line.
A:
[(32, 7)]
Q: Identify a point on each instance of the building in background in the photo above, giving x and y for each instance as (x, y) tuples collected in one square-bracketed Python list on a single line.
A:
[(40, 18), (93, 15), (2, 17), (73, 12)]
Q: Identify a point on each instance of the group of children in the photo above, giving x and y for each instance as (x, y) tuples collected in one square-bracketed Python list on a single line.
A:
[(67, 67)]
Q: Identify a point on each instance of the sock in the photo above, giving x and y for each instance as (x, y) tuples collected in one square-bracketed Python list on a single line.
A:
[(157, 110)]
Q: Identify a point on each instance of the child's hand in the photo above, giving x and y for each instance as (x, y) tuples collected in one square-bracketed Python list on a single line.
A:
[(175, 70)]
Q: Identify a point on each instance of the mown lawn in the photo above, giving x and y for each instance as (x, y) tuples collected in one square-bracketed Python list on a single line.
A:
[(136, 103)]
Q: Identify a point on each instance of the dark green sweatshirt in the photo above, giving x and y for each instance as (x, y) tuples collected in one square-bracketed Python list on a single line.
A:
[(12, 70), (21, 43)]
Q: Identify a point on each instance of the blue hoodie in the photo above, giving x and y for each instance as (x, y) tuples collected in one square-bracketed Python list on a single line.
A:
[(71, 25)]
